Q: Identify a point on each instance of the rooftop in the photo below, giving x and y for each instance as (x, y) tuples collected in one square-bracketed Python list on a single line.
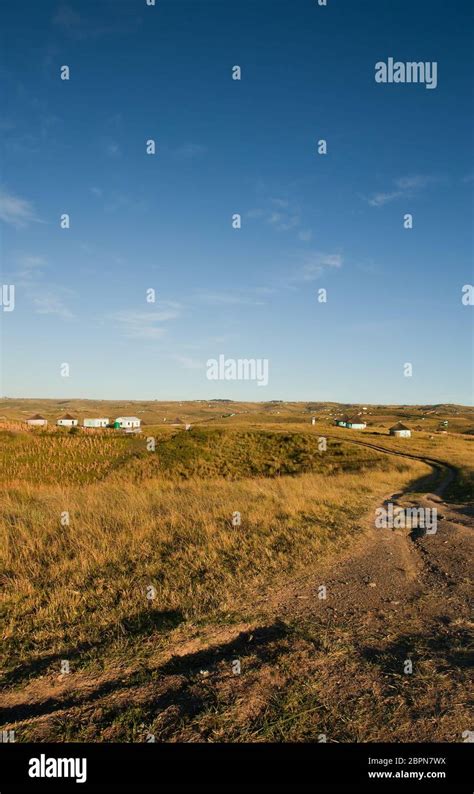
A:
[(399, 426)]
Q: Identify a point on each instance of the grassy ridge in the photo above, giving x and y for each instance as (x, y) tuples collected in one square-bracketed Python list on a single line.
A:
[(233, 454), (52, 457), (44, 457), (86, 583), (164, 519)]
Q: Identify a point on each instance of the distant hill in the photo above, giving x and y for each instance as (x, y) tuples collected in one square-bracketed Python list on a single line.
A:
[(155, 412)]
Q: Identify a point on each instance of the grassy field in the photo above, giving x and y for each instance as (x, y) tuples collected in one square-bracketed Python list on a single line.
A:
[(213, 520), (174, 530)]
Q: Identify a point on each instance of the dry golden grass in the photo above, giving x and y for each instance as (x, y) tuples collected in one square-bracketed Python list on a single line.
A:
[(454, 449), (86, 582), (43, 456), (139, 519)]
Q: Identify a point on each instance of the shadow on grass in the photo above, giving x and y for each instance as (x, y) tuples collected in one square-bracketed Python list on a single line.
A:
[(142, 623), (446, 650), (174, 683)]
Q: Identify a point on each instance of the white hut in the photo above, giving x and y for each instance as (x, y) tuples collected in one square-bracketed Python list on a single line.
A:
[(37, 421), (102, 422), (67, 421), (127, 422), (313, 420), (356, 423), (400, 431)]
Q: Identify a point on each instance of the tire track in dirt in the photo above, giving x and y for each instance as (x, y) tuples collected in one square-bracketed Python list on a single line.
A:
[(376, 561), (385, 581)]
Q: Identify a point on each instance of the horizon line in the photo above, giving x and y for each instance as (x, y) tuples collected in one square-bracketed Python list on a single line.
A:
[(230, 399)]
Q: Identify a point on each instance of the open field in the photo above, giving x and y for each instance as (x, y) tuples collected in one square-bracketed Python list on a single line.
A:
[(232, 527)]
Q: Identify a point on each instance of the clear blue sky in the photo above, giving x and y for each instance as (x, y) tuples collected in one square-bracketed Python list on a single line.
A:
[(309, 221)]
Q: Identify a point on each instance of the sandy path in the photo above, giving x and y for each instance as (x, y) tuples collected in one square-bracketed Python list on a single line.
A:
[(391, 595)]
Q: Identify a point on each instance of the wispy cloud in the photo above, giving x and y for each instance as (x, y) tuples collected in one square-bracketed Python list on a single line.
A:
[(189, 151), (29, 275), (317, 264), (50, 301), (112, 149), (282, 215), (256, 213), (379, 199), (16, 211), (77, 26), (115, 200), (146, 324), (236, 297), (29, 270), (283, 222), (405, 187), (312, 266), (188, 363)]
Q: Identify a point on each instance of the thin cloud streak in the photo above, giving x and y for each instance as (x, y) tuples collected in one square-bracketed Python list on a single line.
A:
[(405, 187), (145, 324), (16, 211)]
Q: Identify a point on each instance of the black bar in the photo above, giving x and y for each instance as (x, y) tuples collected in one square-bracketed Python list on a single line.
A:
[(226, 768)]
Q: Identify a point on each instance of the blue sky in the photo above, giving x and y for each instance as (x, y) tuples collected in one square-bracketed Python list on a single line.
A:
[(225, 146)]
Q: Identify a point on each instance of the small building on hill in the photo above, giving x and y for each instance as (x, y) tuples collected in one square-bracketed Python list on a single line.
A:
[(67, 421), (102, 422), (351, 422), (400, 431), (127, 422), (356, 423), (37, 421)]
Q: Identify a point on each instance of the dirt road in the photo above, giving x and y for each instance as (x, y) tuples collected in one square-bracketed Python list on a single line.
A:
[(382, 657)]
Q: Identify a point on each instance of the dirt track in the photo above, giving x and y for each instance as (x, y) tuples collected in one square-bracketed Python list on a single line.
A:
[(393, 596), (393, 559)]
